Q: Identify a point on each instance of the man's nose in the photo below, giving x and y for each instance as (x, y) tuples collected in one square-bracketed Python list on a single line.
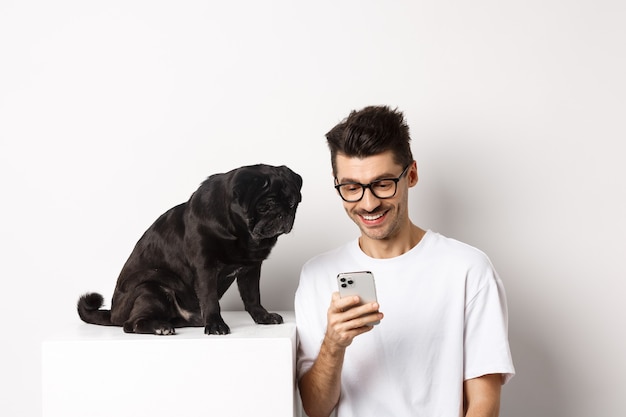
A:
[(369, 201)]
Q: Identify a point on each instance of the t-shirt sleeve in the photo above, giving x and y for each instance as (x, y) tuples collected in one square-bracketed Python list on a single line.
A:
[(486, 326)]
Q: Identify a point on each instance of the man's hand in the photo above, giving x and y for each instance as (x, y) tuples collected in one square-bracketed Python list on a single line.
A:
[(346, 319)]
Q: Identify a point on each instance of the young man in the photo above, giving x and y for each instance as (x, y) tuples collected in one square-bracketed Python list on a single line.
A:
[(441, 347)]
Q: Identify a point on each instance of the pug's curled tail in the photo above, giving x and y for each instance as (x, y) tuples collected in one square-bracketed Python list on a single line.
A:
[(89, 310)]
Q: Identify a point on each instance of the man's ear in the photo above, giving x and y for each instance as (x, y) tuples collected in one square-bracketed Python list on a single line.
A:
[(412, 176)]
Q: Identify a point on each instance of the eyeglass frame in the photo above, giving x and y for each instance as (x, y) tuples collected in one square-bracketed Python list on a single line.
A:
[(395, 180)]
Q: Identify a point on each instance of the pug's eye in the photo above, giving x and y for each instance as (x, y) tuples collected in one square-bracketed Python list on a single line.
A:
[(266, 206)]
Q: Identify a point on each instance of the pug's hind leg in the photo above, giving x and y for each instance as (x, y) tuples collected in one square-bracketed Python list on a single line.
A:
[(151, 312), (148, 326)]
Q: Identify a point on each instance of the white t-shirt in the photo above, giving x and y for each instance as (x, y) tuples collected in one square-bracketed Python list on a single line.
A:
[(445, 321)]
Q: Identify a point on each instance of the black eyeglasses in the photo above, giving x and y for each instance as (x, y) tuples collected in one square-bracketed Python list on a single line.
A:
[(351, 192)]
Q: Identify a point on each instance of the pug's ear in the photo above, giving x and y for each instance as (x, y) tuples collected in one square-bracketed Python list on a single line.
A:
[(247, 182)]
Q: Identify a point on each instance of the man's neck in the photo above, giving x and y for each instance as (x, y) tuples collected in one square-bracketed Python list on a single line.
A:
[(394, 246)]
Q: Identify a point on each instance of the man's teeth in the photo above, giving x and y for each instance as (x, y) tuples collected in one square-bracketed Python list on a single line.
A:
[(373, 217)]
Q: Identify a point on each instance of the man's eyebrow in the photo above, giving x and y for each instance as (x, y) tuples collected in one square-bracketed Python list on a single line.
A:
[(385, 176)]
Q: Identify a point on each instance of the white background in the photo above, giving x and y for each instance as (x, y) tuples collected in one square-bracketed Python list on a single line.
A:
[(112, 112)]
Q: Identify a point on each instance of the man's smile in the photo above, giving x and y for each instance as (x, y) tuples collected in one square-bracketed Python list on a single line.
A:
[(373, 218)]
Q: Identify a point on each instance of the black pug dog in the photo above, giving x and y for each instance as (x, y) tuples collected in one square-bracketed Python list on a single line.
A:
[(190, 256)]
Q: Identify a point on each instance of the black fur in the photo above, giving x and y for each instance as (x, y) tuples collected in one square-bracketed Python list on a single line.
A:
[(190, 256)]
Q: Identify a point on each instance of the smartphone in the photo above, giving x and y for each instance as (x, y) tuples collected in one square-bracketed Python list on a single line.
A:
[(359, 283)]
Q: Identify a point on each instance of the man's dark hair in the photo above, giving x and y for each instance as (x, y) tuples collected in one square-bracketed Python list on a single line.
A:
[(371, 131)]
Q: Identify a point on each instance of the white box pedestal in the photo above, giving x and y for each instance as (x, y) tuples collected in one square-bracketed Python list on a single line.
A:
[(93, 371)]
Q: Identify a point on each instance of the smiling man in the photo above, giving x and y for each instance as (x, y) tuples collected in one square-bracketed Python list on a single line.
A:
[(441, 347)]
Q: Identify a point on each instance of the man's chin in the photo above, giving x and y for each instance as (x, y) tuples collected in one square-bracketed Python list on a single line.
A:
[(374, 233)]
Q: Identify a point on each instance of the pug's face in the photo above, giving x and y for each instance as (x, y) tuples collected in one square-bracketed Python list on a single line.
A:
[(266, 199)]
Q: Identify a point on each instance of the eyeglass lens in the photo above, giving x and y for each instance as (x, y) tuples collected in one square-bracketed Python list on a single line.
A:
[(380, 189)]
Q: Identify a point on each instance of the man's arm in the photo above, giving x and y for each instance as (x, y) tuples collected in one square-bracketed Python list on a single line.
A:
[(482, 396), (320, 386)]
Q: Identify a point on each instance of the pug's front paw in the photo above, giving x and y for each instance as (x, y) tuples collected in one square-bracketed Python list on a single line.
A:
[(216, 326), (267, 318)]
